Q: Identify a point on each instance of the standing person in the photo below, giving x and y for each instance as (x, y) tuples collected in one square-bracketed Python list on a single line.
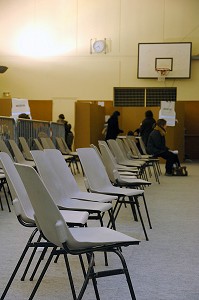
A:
[(113, 126), (147, 126), (156, 146), (70, 137), (62, 120)]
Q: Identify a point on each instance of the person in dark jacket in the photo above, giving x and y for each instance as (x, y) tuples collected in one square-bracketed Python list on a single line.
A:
[(70, 137), (156, 146), (147, 126), (62, 120), (113, 126)]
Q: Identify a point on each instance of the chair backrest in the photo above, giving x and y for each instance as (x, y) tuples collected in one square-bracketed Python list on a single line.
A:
[(96, 150), (38, 144), (122, 147), (17, 152), (112, 157), (47, 215), (142, 145), (49, 173), (47, 143), (128, 149), (17, 188), (4, 148), (133, 146), (53, 168), (117, 152), (25, 148), (94, 169), (108, 163), (65, 145), (61, 146)]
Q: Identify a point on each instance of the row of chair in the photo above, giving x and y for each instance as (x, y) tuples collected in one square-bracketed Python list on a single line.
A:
[(52, 185), (27, 185)]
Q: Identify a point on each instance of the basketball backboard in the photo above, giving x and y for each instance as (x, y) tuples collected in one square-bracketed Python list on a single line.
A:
[(173, 56)]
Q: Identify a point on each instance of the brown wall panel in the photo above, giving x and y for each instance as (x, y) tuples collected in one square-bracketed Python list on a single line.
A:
[(82, 125), (5, 107), (41, 109), (191, 129)]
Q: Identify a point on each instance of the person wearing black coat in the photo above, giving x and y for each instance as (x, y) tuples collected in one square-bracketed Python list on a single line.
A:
[(147, 126), (113, 126), (156, 146)]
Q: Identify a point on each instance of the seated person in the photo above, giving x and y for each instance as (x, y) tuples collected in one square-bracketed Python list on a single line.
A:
[(156, 146)]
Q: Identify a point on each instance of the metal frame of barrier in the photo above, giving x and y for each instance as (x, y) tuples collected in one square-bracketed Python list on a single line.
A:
[(57, 130), (29, 129), (7, 128)]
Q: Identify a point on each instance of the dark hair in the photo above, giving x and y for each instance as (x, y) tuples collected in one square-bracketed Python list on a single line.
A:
[(116, 113), (61, 116), (149, 114), (23, 116), (161, 122), (130, 132)]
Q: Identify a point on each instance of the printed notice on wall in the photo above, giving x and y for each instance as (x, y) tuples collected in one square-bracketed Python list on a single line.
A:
[(167, 112), (20, 106)]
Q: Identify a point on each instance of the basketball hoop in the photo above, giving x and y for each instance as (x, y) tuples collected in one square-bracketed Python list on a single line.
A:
[(162, 73)]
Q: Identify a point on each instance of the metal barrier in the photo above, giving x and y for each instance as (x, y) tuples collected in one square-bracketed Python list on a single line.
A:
[(29, 129), (57, 130), (7, 128)]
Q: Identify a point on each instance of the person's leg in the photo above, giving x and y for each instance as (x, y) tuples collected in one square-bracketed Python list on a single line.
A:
[(177, 162), (171, 159)]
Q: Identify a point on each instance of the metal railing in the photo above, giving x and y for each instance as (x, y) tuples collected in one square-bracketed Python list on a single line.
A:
[(29, 129)]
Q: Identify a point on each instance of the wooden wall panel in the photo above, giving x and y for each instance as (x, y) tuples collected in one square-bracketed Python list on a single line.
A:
[(191, 129), (5, 107), (89, 122), (82, 125), (96, 123), (40, 109)]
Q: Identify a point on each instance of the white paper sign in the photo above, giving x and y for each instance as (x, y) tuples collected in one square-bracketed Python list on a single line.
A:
[(20, 106), (167, 112)]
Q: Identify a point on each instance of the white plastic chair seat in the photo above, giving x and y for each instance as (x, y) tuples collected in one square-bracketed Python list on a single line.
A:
[(92, 197), (75, 217), (98, 236), (75, 204), (114, 190)]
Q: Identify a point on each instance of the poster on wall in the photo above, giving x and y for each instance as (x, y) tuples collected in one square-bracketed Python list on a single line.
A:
[(20, 106), (167, 112)]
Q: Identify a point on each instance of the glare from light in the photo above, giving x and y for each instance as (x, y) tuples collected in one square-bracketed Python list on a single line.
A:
[(40, 41)]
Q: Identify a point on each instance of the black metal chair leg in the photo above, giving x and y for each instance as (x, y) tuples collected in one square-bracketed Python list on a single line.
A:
[(140, 216), (42, 273), (18, 264), (30, 260)]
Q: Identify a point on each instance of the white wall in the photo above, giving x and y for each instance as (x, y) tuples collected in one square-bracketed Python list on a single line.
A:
[(46, 45)]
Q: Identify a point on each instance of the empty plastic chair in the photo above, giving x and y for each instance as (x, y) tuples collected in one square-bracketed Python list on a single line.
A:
[(74, 241), (25, 214), (19, 158), (99, 182)]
